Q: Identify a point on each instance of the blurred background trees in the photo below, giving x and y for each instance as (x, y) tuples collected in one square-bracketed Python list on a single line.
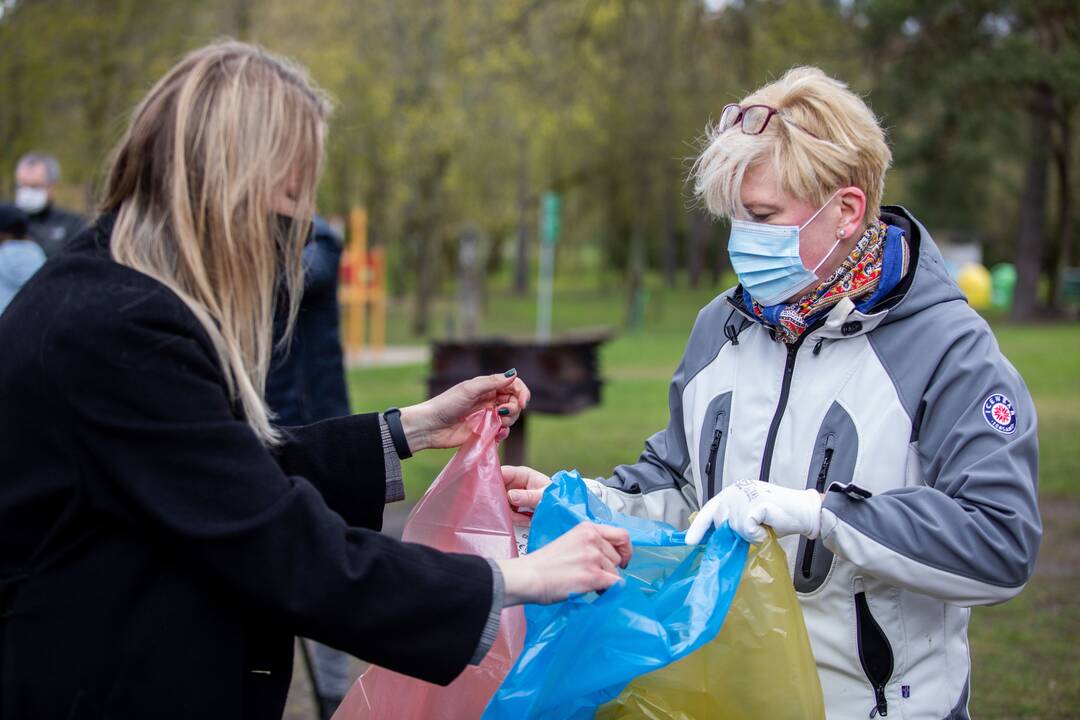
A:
[(460, 113)]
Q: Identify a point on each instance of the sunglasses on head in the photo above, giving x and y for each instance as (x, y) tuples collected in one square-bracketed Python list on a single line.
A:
[(753, 119)]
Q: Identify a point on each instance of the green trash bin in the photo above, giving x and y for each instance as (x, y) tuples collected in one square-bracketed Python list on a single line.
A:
[(1003, 283)]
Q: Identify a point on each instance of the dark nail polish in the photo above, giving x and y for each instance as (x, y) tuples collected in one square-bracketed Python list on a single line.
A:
[(504, 411), (511, 372)]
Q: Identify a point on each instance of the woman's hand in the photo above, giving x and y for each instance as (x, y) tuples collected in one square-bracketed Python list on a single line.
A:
[(524, 486), (749, 505), (440, 421), (583, 560)]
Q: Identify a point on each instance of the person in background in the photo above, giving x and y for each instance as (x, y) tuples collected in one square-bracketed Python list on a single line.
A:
[(19, 258), (36, 175), (307, 384)]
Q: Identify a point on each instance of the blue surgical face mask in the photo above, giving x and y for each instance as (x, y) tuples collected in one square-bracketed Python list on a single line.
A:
[(766, 258)]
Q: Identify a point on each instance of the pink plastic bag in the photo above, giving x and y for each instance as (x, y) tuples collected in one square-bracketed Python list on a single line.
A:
[(464, 510)]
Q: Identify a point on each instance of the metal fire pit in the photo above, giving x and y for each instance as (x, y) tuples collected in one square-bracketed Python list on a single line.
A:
[(562, 374)]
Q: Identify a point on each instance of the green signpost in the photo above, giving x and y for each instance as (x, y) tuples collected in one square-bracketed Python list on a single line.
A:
[(549, 235)]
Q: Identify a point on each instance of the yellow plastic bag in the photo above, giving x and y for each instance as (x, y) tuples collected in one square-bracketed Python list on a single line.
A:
[(759, 666)]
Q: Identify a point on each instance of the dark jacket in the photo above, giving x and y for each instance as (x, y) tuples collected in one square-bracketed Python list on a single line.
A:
[(53, 227), (307, 380), (155, 559)]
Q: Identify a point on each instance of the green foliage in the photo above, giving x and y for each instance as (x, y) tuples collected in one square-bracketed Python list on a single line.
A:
[(954, 80), (454, 114)]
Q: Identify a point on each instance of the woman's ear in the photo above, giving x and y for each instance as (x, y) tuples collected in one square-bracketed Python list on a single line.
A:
[(852, 210)]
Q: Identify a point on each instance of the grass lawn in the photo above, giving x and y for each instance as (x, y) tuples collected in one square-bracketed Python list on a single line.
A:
[(1025, 651)]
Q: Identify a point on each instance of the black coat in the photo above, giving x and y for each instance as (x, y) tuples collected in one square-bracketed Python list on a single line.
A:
[(53, 227), (155, 559), (307, 378)]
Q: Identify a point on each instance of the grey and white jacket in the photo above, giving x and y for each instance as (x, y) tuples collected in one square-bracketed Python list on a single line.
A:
[(923, 437)]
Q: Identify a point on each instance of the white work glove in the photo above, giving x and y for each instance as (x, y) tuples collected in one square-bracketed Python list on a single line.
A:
[(747, 505)]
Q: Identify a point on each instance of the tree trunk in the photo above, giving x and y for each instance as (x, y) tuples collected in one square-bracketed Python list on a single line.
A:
[(242, 19), (429, 251), (429, 241), (635, 272), (638, 259), (670, 238), (720, 261), (1062, 156), (521, 255), (1032, 222), (698, 238)]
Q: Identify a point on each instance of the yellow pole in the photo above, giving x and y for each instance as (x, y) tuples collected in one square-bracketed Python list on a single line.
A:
[(358, 295)]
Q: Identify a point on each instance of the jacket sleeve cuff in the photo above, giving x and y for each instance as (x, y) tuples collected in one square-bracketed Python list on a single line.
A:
[(395, 486), (491, 628)]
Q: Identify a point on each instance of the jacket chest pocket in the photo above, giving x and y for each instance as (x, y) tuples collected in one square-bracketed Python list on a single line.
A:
[(835, 453), (713, 444)]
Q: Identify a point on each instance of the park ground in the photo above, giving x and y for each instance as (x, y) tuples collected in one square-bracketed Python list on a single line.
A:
[(1025, 652)]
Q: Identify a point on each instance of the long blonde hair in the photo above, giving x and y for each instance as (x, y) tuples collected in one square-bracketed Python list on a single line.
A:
[(192, 183)]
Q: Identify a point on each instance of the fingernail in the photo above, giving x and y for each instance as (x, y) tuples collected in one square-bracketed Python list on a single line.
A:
[(504, 411), (510, 373), (515, 496)]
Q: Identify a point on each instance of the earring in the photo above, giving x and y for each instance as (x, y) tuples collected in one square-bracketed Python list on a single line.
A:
[(841, 233)]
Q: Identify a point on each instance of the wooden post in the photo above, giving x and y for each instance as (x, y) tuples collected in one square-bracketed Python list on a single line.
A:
[(364, 289)]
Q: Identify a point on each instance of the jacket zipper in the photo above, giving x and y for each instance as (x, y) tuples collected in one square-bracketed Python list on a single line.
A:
[(781, 405), (868, 631), (710, 466), (785, 390), (822, 479)]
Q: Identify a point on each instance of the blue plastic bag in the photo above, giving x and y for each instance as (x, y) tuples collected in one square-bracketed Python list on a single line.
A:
[(581, 653)]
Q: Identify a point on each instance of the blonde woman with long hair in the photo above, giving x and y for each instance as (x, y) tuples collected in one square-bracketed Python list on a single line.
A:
[(161, 541)]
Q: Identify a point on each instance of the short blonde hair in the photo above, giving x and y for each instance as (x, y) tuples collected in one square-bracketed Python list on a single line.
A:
[(830, 140)]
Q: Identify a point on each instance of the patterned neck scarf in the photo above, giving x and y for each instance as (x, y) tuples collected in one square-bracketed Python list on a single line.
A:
[(874, 267)]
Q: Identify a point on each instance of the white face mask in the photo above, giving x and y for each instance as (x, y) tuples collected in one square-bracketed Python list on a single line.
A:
[(31, 200)]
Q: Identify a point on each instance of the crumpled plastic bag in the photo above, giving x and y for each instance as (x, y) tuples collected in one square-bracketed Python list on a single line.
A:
[(464, 510), (759, 666), (581, 653)]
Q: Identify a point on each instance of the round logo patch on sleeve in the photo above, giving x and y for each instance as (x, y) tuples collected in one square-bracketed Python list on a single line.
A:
[(1000, 414)]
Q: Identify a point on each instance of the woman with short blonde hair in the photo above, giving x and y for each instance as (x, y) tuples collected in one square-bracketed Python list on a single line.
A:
[(845, 395), (161, 541), (824, 137)]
